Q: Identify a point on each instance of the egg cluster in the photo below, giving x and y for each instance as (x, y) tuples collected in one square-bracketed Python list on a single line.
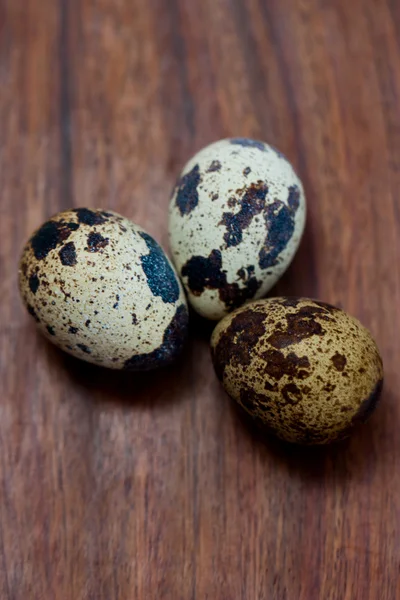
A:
[(102, 289)]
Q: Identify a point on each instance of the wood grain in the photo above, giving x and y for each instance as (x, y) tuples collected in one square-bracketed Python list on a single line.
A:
[(152, 487)]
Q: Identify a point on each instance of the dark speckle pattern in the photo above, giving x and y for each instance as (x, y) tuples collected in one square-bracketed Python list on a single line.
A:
[(243, 333), (160, 276), (339, 361), (294, 197), (215, 166), (91, 217), (173, 341), (300, 326), (292, 393), (205, 273), (187, 197), (280, 224), (252, 204), (68, 255), (34, 283), (95, 242), (49, 236), (249, 398), (277, 364)]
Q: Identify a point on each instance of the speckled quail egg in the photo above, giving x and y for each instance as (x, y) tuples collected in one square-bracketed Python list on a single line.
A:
[(101, 288), (236, 218), (304, 370)]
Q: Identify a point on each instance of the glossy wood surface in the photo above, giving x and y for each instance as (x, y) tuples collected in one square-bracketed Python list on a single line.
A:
[(151, 487)]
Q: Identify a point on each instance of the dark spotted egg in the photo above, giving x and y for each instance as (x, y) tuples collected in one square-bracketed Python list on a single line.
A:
[(236, 218), (304, 370), (100, 287)]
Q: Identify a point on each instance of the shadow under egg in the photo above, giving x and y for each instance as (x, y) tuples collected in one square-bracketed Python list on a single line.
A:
[(163, 386)]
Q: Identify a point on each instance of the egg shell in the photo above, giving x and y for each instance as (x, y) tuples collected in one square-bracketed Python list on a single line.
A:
[(236, 218), (304, 370), (101, 288)]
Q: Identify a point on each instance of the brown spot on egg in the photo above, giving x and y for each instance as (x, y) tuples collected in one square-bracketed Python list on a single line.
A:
[(187, 196), (290, 302), (86, 216), (67, 255), (277, 365), (233, 346), (280, 225), (251, 399), (294, 197), (251, 204), (214, 166), (301, 325), (173, 341), (329, 387), (207, 273), (95, 242), (50, 235), (34, 283), (339, 361), (269, 386), (291, 393)]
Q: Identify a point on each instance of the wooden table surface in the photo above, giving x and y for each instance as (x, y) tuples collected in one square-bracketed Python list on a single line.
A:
[(151, 487)]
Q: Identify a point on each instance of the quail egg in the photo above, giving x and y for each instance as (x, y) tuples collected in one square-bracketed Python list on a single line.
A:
[(102, 289), (236, 218), (304, 370)]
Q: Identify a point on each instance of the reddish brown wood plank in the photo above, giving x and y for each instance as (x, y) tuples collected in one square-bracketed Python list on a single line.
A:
[(150, 486)]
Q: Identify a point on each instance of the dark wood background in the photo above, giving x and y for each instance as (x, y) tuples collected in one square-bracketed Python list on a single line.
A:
[(151, 487)]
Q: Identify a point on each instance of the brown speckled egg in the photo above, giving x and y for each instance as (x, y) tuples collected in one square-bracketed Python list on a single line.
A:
[(100, 288), (304, 370)]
